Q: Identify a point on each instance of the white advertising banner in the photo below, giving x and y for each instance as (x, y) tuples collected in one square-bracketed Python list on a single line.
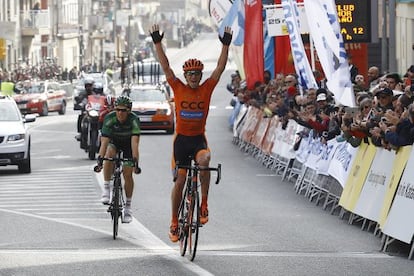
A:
[(371, 198), (341, 162), (400, 222)]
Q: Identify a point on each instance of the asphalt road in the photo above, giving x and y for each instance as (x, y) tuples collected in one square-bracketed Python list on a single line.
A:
[(52, 222)]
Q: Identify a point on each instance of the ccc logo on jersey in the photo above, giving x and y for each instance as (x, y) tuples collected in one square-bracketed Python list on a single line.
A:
[(192, 105)]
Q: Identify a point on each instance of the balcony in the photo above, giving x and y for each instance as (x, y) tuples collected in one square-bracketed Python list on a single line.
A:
[(34, 22)]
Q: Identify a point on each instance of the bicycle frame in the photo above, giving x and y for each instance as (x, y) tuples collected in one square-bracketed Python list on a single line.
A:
[(116, 207), (189, 210)]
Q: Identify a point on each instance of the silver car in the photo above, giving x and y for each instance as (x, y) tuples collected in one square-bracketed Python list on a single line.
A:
[(14, 136)]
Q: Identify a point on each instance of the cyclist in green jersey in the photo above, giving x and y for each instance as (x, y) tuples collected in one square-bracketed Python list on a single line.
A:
[(120, 131)]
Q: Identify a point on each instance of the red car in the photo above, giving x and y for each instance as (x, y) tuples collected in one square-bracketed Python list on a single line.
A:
[(41, 97)]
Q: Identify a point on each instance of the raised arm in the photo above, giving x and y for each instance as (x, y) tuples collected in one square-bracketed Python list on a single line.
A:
[(162, 57), (222, 61)]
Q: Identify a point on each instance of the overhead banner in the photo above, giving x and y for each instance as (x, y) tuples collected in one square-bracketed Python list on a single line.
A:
[(275, 20), (325, 33), (302, 67)]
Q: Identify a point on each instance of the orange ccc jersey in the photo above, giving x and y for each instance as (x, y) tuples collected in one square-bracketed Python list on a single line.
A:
[(191, 106)]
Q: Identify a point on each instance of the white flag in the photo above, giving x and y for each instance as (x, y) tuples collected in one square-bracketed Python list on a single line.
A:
[(325, 32), (302, 66)]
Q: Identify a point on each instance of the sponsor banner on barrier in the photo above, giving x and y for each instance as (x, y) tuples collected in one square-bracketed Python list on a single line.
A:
[(340, 165), (373, 192), (278, 142), (303, 151), (400, 222), (285, 140), (315, 153), (401, 159), (260, 133), (250, 126), (374, 185), (357, 176), (269, 138), (328, 151), (240, 120)]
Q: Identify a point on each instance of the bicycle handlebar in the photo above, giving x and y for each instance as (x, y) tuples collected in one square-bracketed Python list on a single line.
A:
[(197, 168), (98, 168)]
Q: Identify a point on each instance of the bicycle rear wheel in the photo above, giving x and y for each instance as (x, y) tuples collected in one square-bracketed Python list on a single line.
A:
[(194, 223), (183, 225), (116, 207)]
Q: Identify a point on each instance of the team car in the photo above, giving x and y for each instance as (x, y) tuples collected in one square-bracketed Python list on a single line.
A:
[(14, 136), (154, 107), (40, 97)]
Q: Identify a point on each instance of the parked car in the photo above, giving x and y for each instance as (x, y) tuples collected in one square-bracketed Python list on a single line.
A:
[(41, 97), (153, 106), (14, 136)]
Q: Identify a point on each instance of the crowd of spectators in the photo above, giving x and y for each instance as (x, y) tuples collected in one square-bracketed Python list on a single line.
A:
[(384, 109)]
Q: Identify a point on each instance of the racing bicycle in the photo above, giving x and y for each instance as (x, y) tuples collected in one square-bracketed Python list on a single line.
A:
[(117, 204), (189, 210)]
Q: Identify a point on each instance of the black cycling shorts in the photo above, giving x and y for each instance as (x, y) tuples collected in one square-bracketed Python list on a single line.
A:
[(185, 146), (124, 145)]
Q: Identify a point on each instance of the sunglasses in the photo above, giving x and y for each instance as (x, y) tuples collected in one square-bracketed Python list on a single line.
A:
[(121, 109), (193, 73)]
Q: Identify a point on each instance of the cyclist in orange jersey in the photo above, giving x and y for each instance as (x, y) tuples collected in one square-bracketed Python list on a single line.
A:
[(192, 101)]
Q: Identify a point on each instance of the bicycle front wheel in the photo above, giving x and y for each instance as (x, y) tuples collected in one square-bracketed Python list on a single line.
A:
[(115, 208), (194, 223), (183, 225)]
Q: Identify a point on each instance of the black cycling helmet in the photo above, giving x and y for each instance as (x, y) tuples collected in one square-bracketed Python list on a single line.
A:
[(123, 101)]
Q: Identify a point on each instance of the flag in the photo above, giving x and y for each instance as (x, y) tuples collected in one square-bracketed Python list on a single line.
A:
[(283, 56), (269, 53), (218, 9), (301, 62), (253, 43), (325, 33), (235, 19)]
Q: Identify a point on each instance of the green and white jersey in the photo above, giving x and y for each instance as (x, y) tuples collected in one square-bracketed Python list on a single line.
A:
[(118, 132)]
